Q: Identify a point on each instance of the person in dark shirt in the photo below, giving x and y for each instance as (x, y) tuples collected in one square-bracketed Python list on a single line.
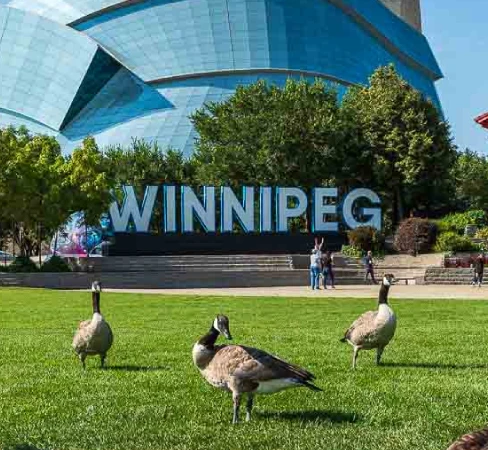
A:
[(369, 267), (479, 267), (327, 269)]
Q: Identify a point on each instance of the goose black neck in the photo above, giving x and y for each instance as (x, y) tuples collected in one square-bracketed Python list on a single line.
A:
[(96, 302), (210, 338), (383, 297)]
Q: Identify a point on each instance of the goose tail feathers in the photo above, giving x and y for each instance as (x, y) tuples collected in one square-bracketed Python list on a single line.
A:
[(311, 386)]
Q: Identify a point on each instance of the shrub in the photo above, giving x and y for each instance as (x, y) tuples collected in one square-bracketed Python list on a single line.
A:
[(452, 242), (55, 264), (482, 233), (458, 221), (366, 238), (351, 251), (415, 236), (23, 264)]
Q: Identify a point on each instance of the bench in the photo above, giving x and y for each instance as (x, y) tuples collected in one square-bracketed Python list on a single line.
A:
[(407, 280)]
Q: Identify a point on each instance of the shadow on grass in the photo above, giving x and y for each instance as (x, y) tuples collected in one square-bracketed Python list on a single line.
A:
[(434, 365), (20, 447), (129, 368), (311, 416)]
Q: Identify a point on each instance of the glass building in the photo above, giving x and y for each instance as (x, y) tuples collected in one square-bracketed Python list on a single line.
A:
[(137, 68)]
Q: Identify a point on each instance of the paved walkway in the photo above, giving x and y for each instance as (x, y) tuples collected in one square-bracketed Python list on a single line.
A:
[(397, 291)]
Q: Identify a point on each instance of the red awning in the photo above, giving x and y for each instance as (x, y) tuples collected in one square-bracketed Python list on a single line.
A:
[(482, 120)]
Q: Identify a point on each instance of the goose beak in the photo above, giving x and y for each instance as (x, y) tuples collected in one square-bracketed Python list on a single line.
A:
[(227, 335)]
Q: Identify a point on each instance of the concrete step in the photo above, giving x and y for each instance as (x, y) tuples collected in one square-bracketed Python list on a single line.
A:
[(197, 262), (169, 280), (440, 275)]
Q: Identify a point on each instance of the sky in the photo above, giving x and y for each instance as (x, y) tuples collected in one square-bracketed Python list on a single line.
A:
[(457, 32)]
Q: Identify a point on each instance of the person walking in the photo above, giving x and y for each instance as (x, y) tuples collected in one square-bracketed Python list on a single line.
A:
[(479, 267), (327, 269), (370, 267), (314, 269)]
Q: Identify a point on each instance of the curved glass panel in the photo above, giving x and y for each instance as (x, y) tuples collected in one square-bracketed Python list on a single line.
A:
[(172, 56), (42, 65), (158, 39)]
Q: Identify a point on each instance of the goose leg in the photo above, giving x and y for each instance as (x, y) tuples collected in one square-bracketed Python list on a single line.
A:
[(354, 357), (102, 360), (82, 357), (250, 401), (379, 352), (236, 397)]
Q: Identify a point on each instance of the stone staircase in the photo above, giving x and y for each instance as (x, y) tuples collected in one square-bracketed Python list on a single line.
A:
[(441, 275), (409, 268), (187, 263), (214, 271)]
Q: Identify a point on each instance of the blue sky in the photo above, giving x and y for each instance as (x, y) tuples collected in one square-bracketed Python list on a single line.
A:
[(457, 32)]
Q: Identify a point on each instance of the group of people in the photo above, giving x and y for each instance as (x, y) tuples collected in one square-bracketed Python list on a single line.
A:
[(321, 264)]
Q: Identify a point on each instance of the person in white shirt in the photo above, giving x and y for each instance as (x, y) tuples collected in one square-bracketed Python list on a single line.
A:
[(319, 247), (314, 269)]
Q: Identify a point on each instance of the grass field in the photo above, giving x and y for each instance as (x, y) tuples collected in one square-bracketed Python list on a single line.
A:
[(432, 388)]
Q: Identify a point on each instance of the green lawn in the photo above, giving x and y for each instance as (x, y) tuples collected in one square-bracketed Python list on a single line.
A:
[(432, 388)]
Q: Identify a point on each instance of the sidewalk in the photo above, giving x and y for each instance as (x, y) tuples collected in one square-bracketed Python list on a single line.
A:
[(397, 291)]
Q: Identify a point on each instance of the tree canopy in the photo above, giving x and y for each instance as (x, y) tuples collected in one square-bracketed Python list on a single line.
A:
[(386, 136), (265, 134), (40, 187), (408, 140), (470, 175)]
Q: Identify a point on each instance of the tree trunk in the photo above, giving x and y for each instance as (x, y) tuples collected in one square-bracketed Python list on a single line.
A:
[(55, 243), (399, 205), (86, 237), (39, 240)]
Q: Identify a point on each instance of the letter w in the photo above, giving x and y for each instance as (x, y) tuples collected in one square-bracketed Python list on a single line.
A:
[(130, 207)]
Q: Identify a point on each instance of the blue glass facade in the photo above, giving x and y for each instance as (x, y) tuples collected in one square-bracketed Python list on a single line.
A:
[(137, 68)]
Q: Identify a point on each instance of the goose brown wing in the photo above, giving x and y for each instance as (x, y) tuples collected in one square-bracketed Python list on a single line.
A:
[(261, 366), (363, 322), (81, 337), (472, 441)]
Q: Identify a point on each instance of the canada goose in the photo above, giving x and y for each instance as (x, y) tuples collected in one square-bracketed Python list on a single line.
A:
[(244, 370), (94, 336), (472, 441), (373, 329)]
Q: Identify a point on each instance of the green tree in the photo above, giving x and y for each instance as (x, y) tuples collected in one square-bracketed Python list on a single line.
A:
[(34, 199), (142, 164), (293, 135), (410, 146), (471, 180), (40, 188), (89, 182), (265, 134)]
